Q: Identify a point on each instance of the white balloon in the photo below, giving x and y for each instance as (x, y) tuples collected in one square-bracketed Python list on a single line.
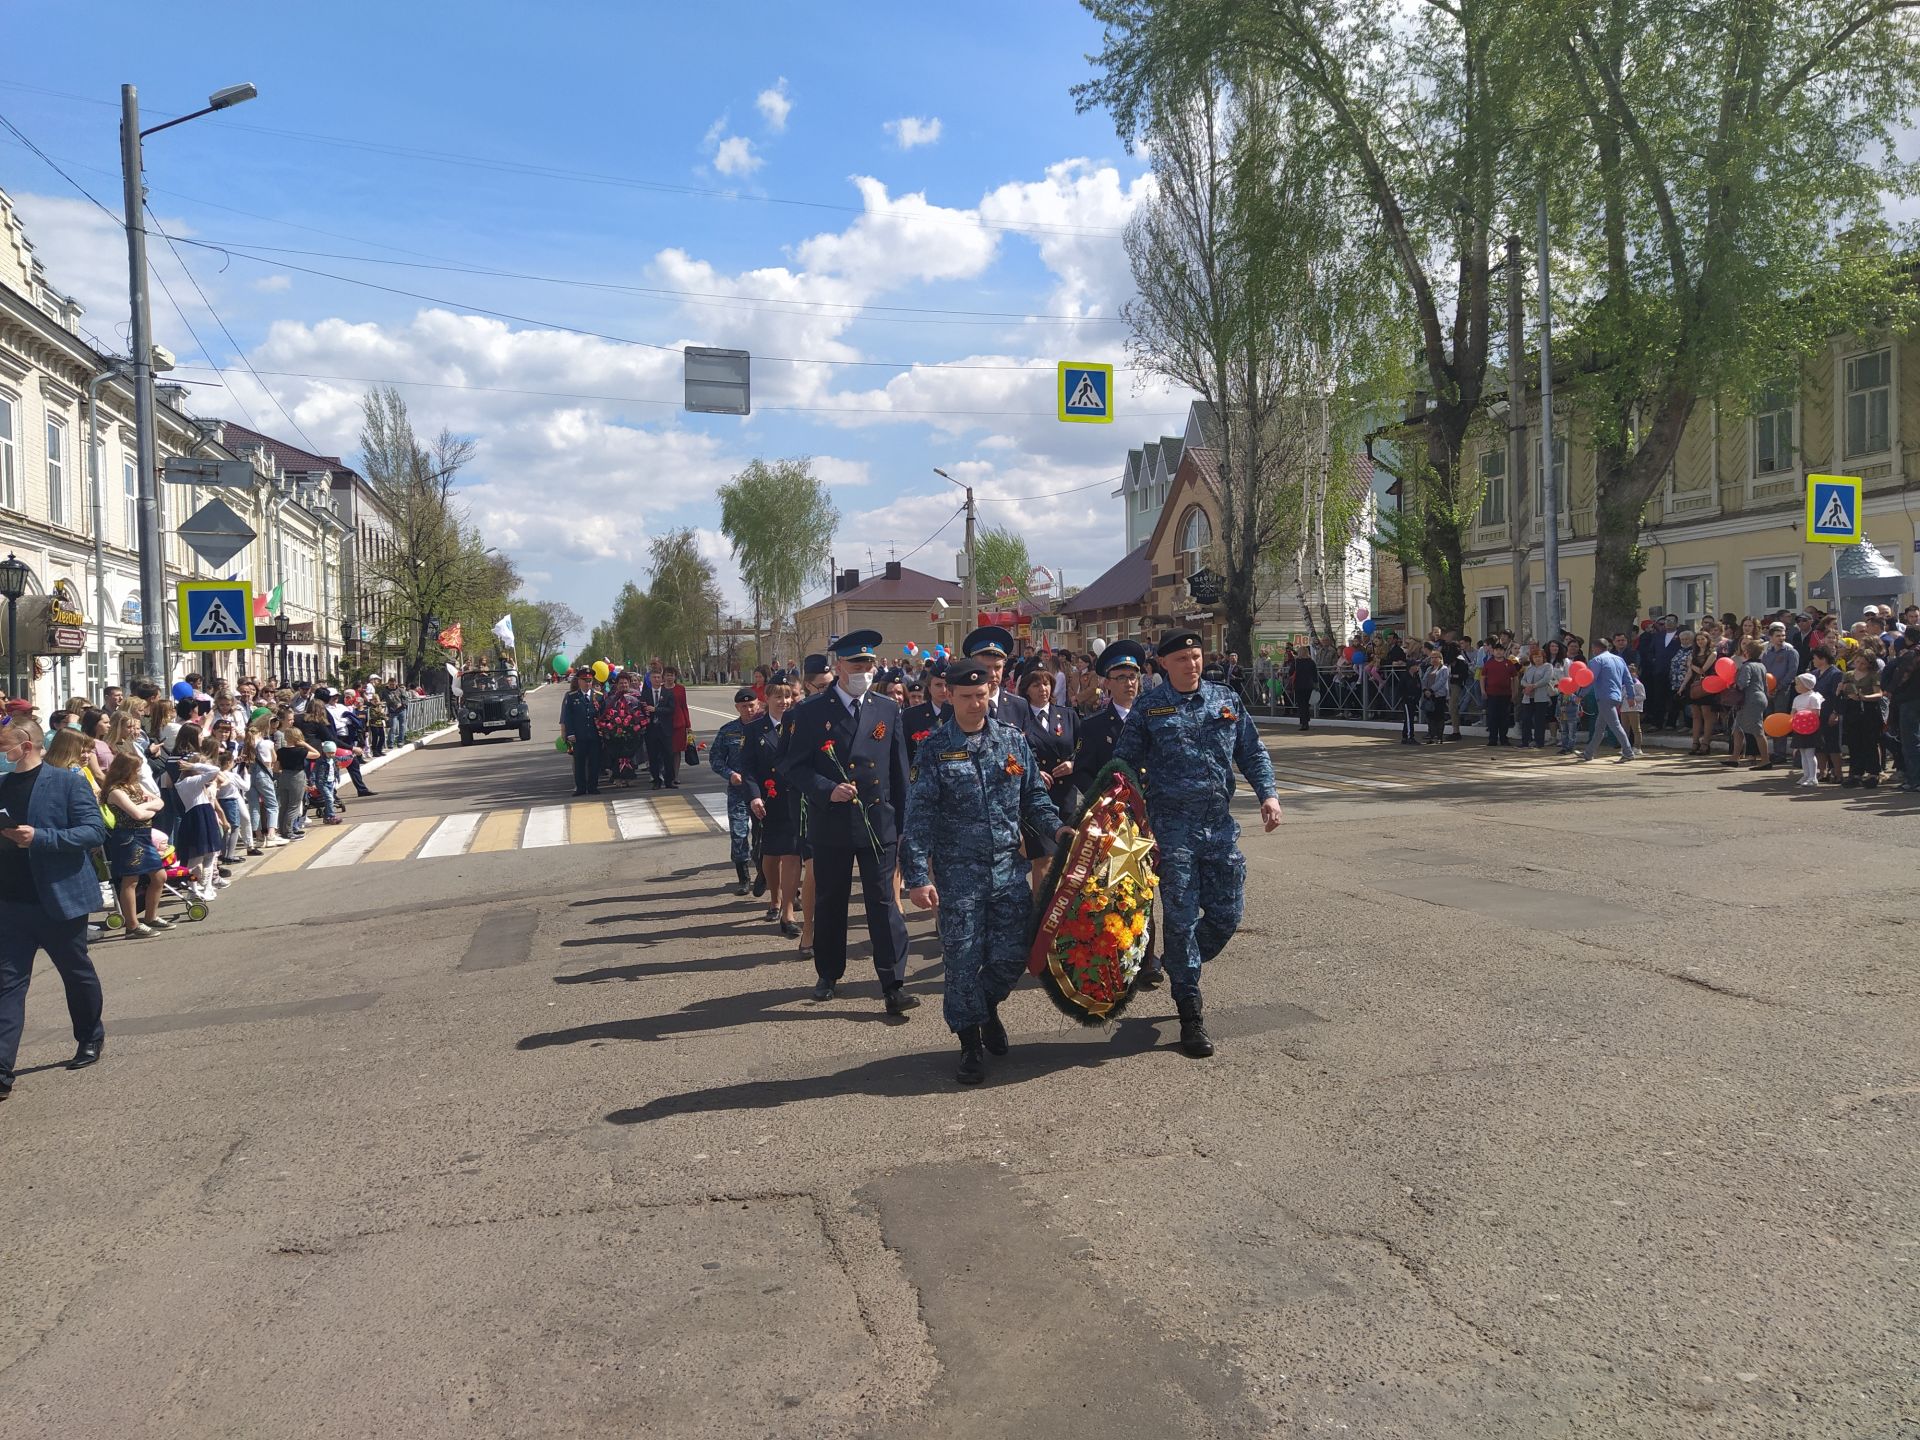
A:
[(1096, 645)]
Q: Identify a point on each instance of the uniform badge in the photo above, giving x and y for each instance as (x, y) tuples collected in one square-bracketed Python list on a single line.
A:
[(880, 731), (1164, 710), (953, 755), (1014, 767)]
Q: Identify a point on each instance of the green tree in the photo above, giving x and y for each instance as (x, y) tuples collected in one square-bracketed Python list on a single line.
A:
[(1414, 114), (541, 628), (780, 521), (678, 614), (1722, 184), (1000, 554)]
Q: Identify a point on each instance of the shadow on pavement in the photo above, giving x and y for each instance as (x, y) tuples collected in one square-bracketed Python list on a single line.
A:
[(709, 965)]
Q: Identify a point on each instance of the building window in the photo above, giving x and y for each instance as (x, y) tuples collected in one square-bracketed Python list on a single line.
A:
[(1559, 482), (9, 496), (1690, 594), (1493, 502), (1869, 392), (130, 498), (1196, 534), (1143, 498), (1773, 433), (1773, 587), (1493, 613), (57, 473)]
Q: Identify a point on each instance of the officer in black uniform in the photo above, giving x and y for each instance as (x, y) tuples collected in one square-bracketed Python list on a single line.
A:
[(816, 674), (1119, 667), (919, 720), (992, 645), (579, 722), (847, 754)]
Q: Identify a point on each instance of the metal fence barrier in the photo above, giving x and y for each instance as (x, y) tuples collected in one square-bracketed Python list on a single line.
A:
[(426, 712), (1348, 695)]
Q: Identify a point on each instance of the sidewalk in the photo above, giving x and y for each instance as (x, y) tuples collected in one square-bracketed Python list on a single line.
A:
[(1661, 740), (367, 767)]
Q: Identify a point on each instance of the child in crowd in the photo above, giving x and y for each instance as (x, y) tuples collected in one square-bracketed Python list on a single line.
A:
[(1632, 704), (1807, 700)]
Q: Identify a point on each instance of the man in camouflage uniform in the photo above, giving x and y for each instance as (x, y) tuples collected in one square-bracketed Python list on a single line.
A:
[(725, 757), (974, 783), (1185, 736)]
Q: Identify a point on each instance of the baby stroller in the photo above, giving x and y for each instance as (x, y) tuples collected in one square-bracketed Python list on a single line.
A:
[(174, 879), (341, 762)]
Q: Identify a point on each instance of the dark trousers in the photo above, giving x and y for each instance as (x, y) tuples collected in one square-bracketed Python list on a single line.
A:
[(1409, 707), (1303, 705), (833, 893), (659, 755), (1659, 697), (586, 765), (26, 930), (1533, 722), (1499, 719)]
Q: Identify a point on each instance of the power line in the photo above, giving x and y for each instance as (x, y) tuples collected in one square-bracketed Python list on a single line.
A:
[(54, 166), (1053, 494), (288, 414), (936, 534)]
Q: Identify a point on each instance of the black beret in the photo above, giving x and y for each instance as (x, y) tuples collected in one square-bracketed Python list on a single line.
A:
[(1179, 640), (968, 672), (816, 665), (743, 694)]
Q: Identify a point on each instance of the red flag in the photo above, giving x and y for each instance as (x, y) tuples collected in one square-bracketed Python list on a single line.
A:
[(450, 638)]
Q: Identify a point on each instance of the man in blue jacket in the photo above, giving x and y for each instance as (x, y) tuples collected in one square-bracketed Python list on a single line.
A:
[(49, 824), (1612, 683)]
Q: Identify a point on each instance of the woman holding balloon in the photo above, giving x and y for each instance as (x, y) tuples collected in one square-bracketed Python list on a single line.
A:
[(1701, 705)]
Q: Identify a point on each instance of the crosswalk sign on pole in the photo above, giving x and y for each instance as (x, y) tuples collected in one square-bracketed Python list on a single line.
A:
[(1833, 509), (1084, 392), (216, 615)]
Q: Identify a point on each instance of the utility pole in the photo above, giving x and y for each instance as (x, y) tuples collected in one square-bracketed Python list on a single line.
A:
[(1517, 425), (1550, 504), (973, 560), (153, 576)]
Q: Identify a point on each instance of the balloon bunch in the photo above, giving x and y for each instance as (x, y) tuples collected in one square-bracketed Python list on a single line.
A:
[(1579, 675), (1721, 678)]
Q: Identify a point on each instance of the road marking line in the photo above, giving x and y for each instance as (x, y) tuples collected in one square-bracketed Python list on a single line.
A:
[(679, 816), (716, 806), (546, 826), (637, 819), (452, 836), (300, 852), (401, 839), (1346, 779), (588, 825), (360, 839), (1299, 787), (499, 831)]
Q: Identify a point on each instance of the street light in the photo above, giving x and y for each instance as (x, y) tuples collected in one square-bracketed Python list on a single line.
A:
[(13, 584), (973, 570), (153, 573)]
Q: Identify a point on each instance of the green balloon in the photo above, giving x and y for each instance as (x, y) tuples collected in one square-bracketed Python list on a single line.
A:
[(559, 664), (560, 743)]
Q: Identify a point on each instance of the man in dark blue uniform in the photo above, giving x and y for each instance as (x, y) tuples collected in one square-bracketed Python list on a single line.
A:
[(991, 644), (847, 756), (579, 719), (1185, 737), (975, 788), (727, 757)]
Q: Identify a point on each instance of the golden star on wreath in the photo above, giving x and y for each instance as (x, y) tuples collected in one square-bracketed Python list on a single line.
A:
[(1127, 859)]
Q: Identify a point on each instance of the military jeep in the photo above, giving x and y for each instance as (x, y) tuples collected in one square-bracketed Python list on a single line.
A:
[(491, 701)]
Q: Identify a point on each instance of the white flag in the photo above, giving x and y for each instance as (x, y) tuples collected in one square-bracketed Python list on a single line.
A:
[(503, 631)]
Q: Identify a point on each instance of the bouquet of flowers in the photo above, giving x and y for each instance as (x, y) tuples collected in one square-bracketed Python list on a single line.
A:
[(1091, 932), (622, 724)]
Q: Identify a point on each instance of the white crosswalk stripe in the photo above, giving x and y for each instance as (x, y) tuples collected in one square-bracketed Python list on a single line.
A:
[(636, 819), (352, 846), (545, 826), (452, 835), (716, 804)]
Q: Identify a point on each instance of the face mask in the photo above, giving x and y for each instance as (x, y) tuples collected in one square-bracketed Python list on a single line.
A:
[(857, 683), (7, 763)]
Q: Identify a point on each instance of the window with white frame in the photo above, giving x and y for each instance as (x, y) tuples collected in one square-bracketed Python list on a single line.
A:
[(9, 485), (1690, 594), (1773, 432), (1559, 480), (1493, 500), (1773, 587), (1868, 386), (130, 500), (57, 472), (1196, 534)]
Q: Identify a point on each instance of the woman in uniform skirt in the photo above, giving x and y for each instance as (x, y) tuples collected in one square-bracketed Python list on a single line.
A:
[(776, 811)]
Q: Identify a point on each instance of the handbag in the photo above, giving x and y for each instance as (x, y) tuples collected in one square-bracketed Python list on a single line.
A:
[(692, 755)]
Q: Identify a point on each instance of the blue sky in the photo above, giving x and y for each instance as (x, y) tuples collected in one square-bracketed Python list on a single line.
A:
[(790, 171)]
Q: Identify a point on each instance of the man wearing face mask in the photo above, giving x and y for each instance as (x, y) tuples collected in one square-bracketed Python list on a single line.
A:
[(49, 825), (847, 758)]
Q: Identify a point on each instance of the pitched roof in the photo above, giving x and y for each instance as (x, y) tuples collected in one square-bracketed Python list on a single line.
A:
[(1125, 584), (287, 457), (909, 587)]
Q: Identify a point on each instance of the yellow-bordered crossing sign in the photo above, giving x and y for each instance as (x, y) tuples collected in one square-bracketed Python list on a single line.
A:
[(216, 615), (1833, 509), (1083, 392)]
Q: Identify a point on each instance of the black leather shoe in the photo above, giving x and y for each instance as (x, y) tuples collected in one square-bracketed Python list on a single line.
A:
[(899, 1002), (823, 992), (973, 1058), (87, 1054), (790, 930), (993, 1034), (1193, 1030), (1151, 977)]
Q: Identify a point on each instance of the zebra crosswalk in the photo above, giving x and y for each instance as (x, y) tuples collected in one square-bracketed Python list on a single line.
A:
[(1376, 770), (480, 832)]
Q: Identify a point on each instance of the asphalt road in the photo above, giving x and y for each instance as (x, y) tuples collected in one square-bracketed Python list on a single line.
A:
[(1552, 1100)]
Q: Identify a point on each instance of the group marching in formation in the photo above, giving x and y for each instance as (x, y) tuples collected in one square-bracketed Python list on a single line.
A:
[(970, 802)]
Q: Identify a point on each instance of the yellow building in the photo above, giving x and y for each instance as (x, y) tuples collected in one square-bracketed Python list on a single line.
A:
[(1726, 531)]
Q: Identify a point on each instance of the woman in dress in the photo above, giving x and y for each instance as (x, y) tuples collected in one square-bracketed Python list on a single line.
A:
[(132, 860), (1700, 705), (1750, 690)]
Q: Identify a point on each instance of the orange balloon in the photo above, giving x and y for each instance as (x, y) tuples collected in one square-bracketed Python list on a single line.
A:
[(1773, 683), (1777, 726)]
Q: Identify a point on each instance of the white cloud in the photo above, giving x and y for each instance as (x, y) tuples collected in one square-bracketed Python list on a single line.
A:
[(85, 252), (735, 156), (272, 284), (910, 130), (837, 474), (774, 105)]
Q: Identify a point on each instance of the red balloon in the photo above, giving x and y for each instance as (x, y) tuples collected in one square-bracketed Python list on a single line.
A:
[(1805, 722), (1725, 669), (1582, 674), (1713, 684), (1565, 685)]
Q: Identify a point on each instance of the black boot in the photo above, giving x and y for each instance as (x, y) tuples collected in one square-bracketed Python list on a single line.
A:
[(993, 1034), (740, 869), (973, 1058), (1193, 1030)]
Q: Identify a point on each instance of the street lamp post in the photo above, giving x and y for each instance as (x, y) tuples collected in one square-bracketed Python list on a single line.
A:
[(153, 572), (13, 584), (973, 569)]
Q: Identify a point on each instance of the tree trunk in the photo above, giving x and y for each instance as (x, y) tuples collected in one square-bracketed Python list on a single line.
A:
[(1442, 553), (1624, 487)]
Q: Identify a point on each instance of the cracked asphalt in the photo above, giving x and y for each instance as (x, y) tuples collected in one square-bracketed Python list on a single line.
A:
[(1572, 1101)]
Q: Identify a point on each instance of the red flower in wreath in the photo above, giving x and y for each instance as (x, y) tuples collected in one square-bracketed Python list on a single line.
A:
[(1014, 767)]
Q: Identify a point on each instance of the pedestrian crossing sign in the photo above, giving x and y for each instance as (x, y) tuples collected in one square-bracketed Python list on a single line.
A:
[(216, 615), (1833, 509), (1084, 392)]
